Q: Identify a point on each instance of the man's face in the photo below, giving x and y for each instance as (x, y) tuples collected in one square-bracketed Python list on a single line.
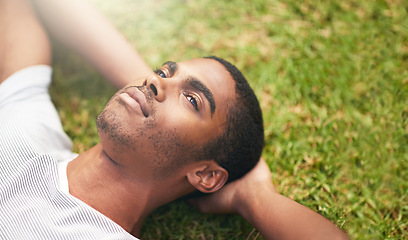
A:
[(165, 121)]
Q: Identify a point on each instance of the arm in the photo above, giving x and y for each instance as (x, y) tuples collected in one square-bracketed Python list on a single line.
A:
[(23, 41), (83, 29), (275, 216)]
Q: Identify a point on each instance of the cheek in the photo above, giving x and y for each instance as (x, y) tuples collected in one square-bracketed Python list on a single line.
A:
[(171, 152), (173, 115)]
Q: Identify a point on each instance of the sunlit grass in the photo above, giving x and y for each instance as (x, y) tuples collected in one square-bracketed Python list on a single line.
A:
[(332, 78)]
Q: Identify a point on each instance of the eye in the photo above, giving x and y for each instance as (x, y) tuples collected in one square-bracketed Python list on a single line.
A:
[(193, 101), (160, 73), (163, 72)]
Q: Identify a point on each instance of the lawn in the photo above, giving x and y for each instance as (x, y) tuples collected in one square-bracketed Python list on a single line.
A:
[(332, 80)]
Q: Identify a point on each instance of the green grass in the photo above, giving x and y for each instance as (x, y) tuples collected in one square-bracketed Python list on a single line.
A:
[(332, 79)]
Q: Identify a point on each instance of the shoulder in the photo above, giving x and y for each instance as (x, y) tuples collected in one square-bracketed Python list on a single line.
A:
[(27, 113)]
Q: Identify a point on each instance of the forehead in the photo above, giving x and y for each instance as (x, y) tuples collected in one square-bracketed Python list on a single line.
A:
[(214, 75)]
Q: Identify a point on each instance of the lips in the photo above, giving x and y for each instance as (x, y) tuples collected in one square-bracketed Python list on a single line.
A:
[(136, 99)]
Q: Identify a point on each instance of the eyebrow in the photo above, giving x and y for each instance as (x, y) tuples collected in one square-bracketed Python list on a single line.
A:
[(200, 87), (172, 66)]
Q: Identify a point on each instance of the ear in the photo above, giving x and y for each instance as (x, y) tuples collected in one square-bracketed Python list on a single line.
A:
[(208, 177)]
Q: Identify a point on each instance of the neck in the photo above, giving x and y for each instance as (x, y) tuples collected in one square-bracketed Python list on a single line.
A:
[(102, 184)]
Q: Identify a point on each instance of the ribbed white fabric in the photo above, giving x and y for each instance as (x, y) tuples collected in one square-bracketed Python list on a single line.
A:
[(32, 206)]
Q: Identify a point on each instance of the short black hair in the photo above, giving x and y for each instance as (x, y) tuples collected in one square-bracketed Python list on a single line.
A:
[(239, 148)]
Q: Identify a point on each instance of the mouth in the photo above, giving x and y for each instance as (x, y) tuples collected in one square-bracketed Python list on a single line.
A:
[(136, 99)]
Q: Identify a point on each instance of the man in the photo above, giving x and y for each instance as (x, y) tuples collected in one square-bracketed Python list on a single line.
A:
[(165, 135)]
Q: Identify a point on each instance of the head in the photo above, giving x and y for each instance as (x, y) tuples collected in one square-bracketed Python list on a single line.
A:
[(185, 114), (240, 146)]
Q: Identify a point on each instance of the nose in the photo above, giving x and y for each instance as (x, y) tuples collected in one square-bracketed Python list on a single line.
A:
[(157, 86)]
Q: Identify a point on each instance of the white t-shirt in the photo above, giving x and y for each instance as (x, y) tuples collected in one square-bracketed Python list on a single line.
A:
[(34, 151)]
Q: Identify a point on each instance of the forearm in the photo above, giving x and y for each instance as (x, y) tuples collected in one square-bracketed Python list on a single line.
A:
[(278, 217), (83, 29)]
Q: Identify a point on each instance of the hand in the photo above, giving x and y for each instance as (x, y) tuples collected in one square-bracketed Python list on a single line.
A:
[(229, 198), (274, 215)]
